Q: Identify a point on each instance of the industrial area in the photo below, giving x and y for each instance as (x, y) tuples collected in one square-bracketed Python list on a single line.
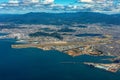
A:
[(82, 39), (108, 67), (90, 39)]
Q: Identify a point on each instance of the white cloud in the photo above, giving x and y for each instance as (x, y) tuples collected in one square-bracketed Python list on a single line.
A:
[(86, 0), (48, 1)]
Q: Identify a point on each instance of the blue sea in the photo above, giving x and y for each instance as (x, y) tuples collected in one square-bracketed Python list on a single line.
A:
[(36, 64)]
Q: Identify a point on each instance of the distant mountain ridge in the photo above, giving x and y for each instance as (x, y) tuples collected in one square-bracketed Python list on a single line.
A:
[(61, 18)]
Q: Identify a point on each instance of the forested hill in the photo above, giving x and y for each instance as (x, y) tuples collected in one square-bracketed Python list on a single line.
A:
[(61, 18)]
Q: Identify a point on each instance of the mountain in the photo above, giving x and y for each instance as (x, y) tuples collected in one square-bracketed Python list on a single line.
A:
[(61, 18)]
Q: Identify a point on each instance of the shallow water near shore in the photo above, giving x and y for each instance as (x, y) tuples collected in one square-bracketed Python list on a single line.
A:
[(36, 64)]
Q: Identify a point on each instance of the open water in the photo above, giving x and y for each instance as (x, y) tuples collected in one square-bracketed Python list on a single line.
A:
[(36, 64)]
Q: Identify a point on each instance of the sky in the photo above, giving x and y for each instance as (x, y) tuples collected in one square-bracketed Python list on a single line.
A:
[(72, 5), (64, 1), (3, 0), (56, 1)]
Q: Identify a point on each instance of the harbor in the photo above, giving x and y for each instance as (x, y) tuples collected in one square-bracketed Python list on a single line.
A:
[(108, 67)]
